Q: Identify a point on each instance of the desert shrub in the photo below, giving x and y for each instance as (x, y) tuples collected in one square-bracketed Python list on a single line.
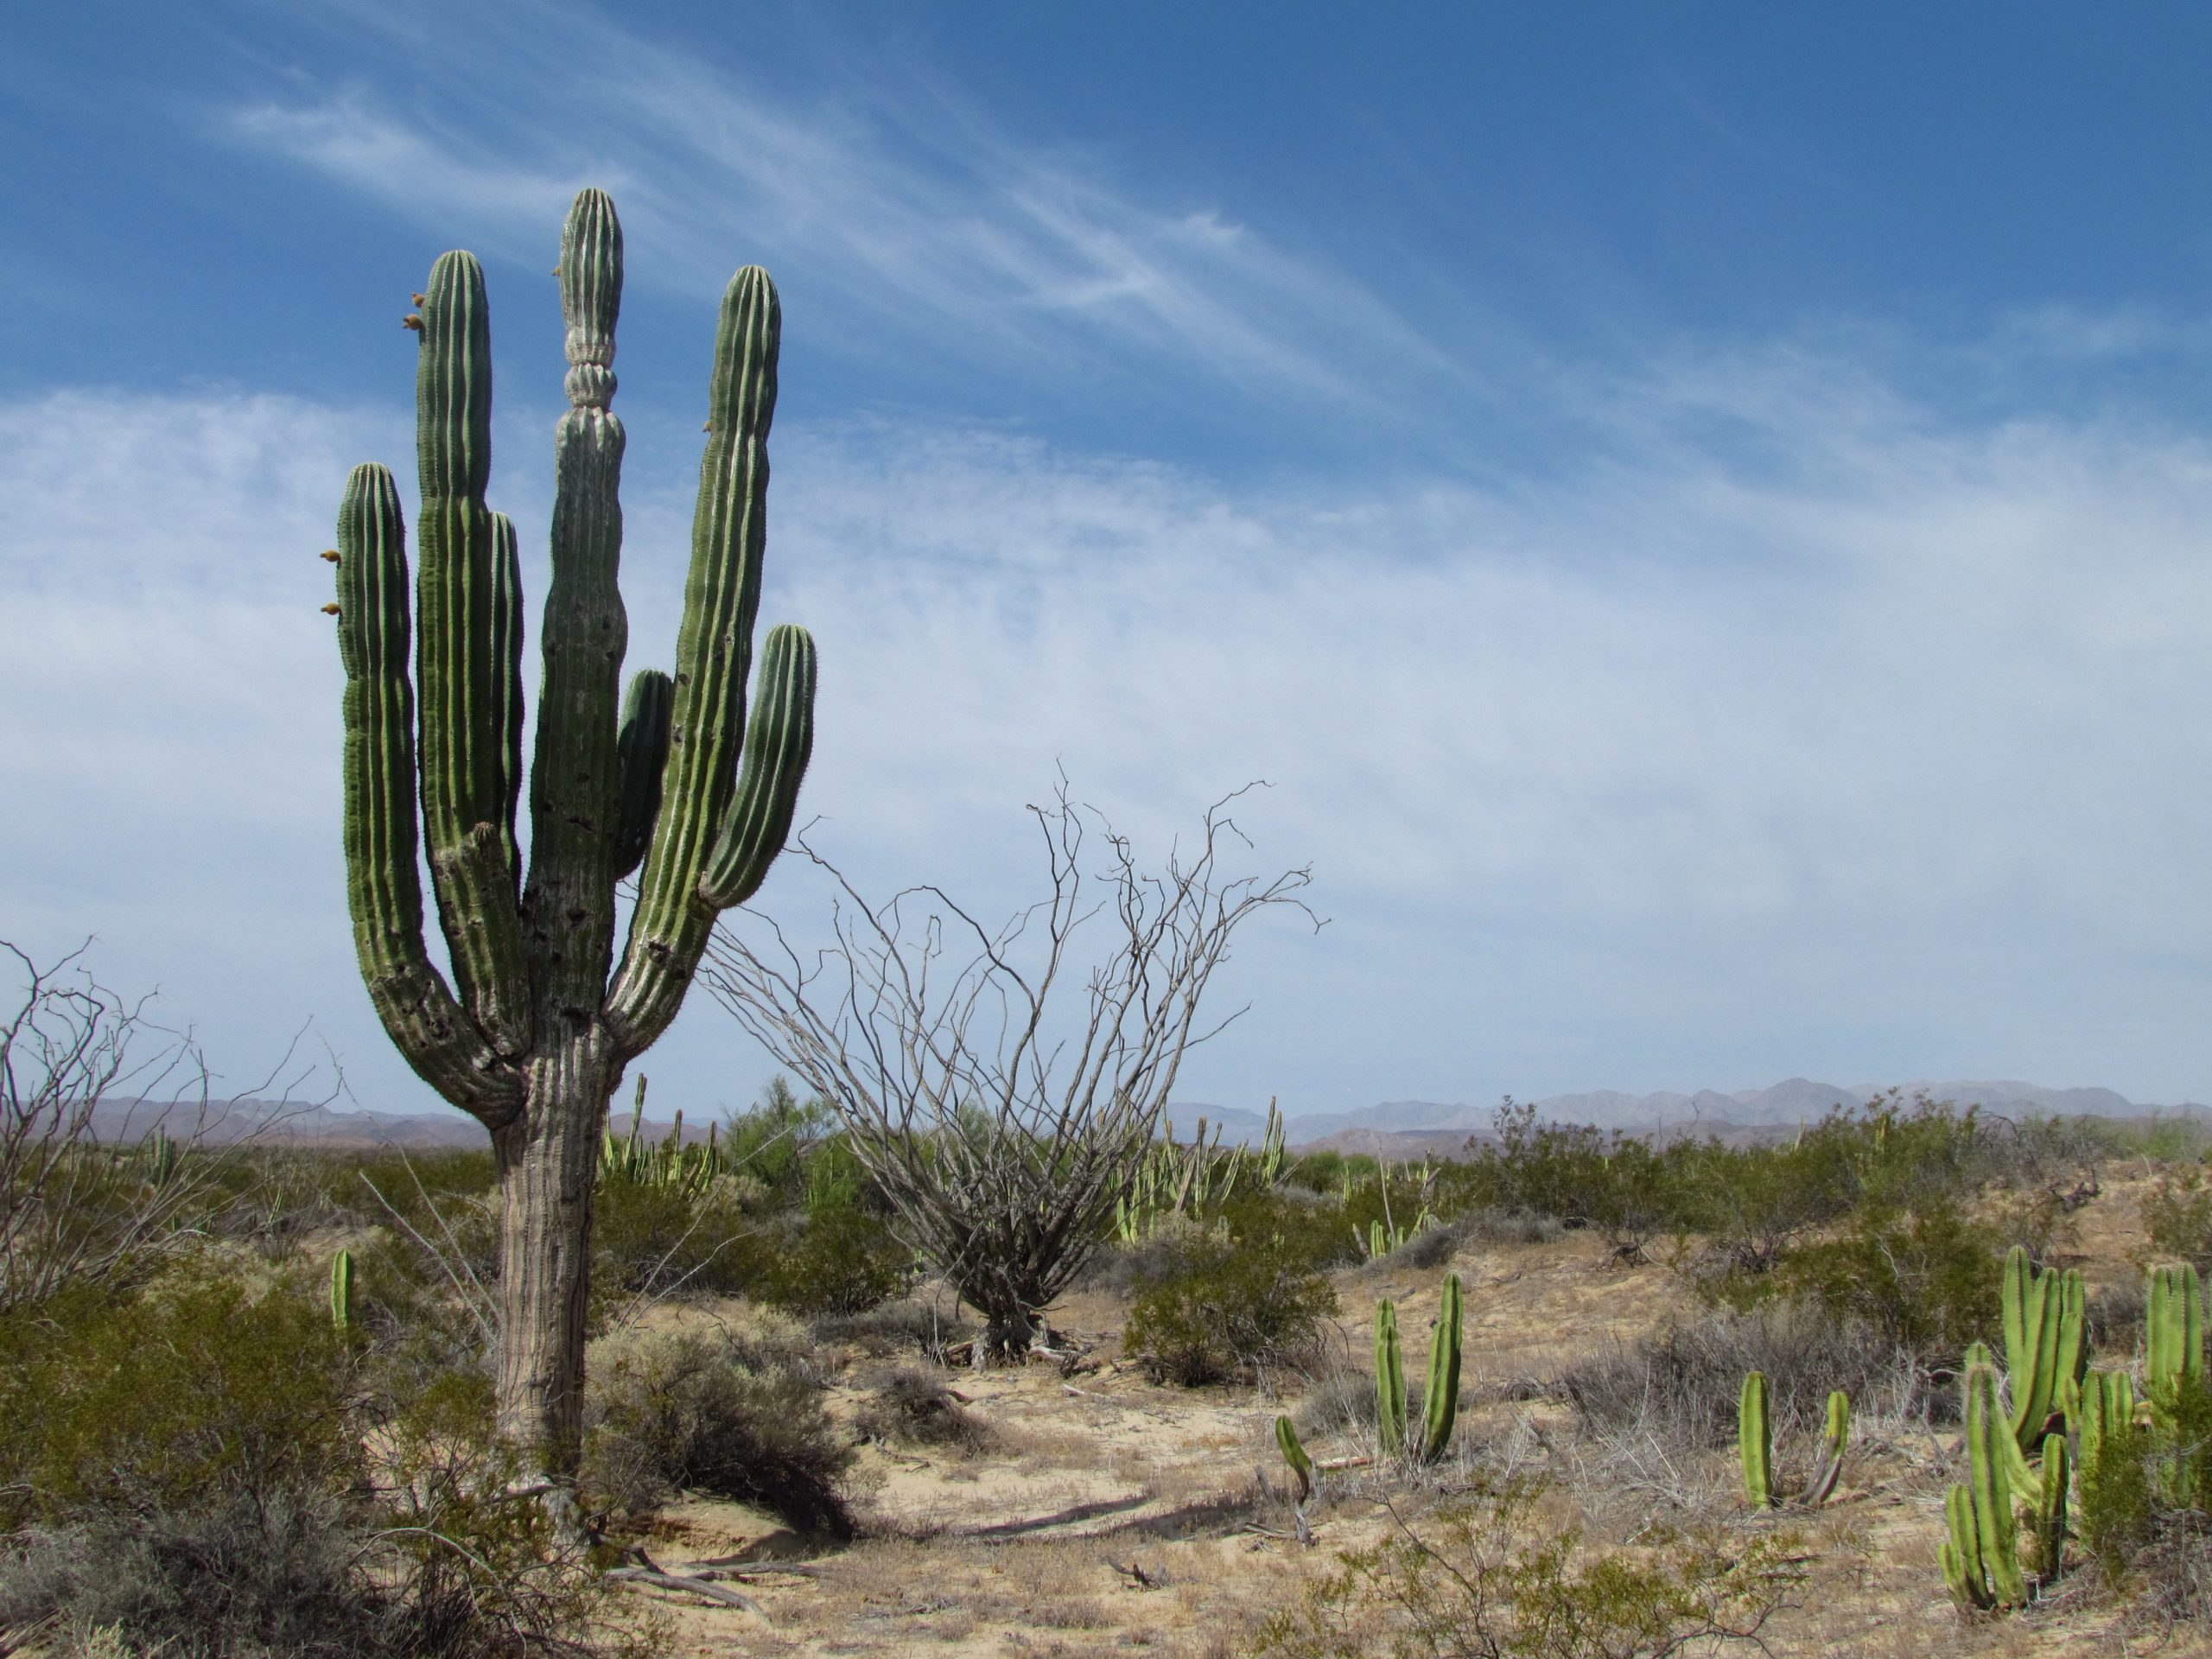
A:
[(190, 1475), (1339, 1399), (1923, 1278), (1312, 1236), (908, 1326), (1491, 1225), (1429, 1249), (2178, 1219), (770, 1140), (2114, 1516), (193, 1386), (650, 1238), (1492, 1576), (1227, 1306), (840, 1260), (1683, 1384), (1753, 1202), (915, 1406), (669, 1414)]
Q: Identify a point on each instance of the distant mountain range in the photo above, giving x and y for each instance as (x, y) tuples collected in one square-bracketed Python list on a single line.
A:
[(1396, 1128)]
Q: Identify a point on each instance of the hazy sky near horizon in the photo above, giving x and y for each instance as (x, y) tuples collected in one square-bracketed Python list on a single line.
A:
[(1700, 513)]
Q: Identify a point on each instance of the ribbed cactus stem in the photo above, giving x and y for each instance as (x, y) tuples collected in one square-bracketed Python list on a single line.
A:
[(1389, 1381), (2108, 1416), (643, 751), (1990, 1491), (1440, 1401), (341, 1291), (1835, 1437), (1964, 1572), (2174, 1332), (1755, 1442), (1294, 1454), (2049, 1520)]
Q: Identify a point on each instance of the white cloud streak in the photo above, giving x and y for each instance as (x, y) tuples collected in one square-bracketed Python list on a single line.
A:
[(1856, 745), (911, 212)]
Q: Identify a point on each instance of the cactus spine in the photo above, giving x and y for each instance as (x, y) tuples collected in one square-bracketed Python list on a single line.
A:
[(535, 1030), (1440, 1403), (1980, 1555), (1389, 1381), (341, 1291), (1294, 1454), (1755, 1442)]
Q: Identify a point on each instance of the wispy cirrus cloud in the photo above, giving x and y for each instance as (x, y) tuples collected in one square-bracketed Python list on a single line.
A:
[(909, 206)]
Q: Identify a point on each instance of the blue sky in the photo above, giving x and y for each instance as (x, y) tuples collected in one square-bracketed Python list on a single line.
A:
[(1698, 511)]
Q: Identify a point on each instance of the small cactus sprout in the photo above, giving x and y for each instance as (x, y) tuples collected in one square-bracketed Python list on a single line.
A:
[(1389, 1381), (1295, 1455), (341, 1291), (1440, 1404), (1754, 1442), (1833, 1438)]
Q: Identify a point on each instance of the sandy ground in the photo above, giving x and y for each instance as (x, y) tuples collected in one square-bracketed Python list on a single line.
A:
[(1019, 1548)]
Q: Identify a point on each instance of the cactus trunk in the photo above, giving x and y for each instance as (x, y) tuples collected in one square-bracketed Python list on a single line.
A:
[(1755, 1442), (1440, 1403), (1389, 1381)]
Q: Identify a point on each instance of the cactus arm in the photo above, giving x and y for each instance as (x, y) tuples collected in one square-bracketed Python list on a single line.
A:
[(506, 680), (2015, 1288), (713, 656), (777, 746), (1996, 1528), (643, 750), (457, 675), (1755, 1442), (424, 1020), (1390, 1380), (1440, 1403), (1294, 1454), (2073, 1363), (576, 784)]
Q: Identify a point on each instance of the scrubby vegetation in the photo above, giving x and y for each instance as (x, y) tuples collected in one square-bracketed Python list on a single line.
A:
[(200, 1452)]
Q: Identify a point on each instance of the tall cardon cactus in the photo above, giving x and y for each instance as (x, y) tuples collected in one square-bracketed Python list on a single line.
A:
[(534, 1031)]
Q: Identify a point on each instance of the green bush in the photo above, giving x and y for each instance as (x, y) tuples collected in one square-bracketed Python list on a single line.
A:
[(840, 1260), (2177, 1219), (717, 1414), (1925, 1278), (1227, 1305), (1492, 1576), (193, 1386)]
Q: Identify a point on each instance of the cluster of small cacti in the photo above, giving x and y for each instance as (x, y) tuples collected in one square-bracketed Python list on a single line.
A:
[(1755, 1446), (1175, 1179), (1440, 1401), (666, 1162), (157, 1159), (2022, 1470)]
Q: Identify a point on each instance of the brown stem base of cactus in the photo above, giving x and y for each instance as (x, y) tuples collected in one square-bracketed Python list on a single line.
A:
[(548, 1163)]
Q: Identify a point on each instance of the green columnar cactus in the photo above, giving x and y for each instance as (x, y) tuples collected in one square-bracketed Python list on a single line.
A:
[(1440, 1402), (1755, 1442), (1981, 1556), (2174, 1332), (158, 1153), (2044, 1354), (341, 1291), (539, 1023), (1833, 1440), (2048, 1524), (1389, 1381), (1295, 1455), (2108, 1414)]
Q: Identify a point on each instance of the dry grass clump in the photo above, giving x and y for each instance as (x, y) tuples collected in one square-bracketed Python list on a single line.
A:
[(914, 1406), (716, 1413)]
